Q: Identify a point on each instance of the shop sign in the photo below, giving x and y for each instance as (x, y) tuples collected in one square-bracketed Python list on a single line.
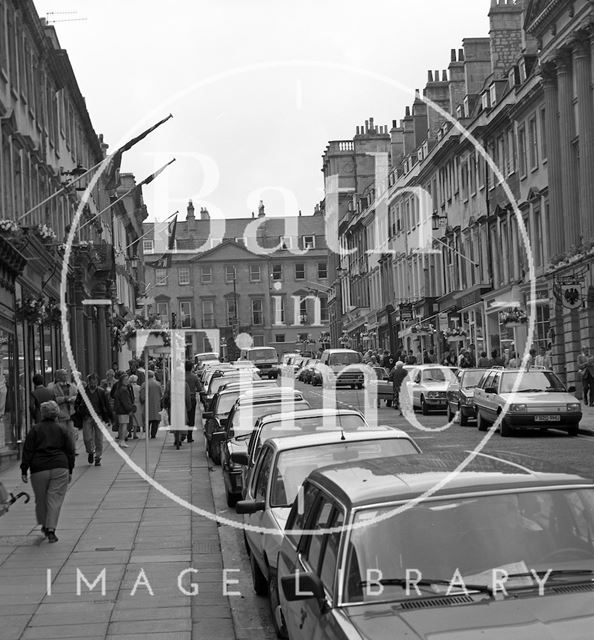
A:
[(469, 299), (406, 312), (443, 321)]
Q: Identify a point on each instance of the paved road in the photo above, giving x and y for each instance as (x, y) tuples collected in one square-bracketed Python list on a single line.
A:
[(253, 612)]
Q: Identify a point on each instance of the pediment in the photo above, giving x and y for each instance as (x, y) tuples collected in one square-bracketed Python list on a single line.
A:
[(229, 251), (535, 9)]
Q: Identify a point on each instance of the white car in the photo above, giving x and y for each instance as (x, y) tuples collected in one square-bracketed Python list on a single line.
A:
[(427, 387), (273, 485)]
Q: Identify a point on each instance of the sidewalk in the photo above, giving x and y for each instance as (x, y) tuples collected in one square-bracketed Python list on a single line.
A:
[(587, 422), (112, 521)]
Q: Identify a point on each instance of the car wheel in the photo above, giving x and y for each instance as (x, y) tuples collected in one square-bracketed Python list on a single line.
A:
[(505, 430), (573, 430), (259, 582), (360, 385), (424, 407), (278, 620), (481, 423), (463, 418)]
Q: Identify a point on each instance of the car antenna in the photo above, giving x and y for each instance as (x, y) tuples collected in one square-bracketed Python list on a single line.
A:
[(342, 434)]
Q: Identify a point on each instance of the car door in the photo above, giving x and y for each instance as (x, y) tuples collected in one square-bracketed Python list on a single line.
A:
[(490, 399), (414, 385), (259, 491)]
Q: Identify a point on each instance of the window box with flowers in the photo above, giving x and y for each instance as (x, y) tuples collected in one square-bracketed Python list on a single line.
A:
[(454, 334), (513, 318), (423, 329), (129, 331), (45, 233), (30, 309), (10, 228)]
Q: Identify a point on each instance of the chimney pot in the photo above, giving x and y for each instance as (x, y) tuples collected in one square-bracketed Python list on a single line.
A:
[(453, 55), (366, 126), (261, 213), (190, 212), (407, 112), (394, 124), (357, 129), (444, 76), (371, 123), (429, 76), (460, 55)]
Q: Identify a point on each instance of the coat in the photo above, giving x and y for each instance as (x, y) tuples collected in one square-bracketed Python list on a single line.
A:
[(124, 400), (155, 394)]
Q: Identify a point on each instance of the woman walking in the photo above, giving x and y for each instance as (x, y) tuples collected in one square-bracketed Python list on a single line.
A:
[(123, 407), (136, 416), (48, 453)]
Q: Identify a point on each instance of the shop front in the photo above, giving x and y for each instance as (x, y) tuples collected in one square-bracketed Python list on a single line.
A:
[(506, 322), (471, 320)]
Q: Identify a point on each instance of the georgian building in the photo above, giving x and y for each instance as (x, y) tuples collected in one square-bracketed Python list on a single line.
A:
[(474, 246), (47, 140), (263, 276)]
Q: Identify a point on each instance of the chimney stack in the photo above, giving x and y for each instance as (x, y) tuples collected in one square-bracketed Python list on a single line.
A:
[(204, 215), (506, 21)]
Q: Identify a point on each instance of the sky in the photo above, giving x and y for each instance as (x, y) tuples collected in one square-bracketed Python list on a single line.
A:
[(257, 88)]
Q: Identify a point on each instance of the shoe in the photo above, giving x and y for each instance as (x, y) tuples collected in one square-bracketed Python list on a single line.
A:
[(51, 536), (44, 531), (123, 445), (90, 458), (134, 437), (98, 462)]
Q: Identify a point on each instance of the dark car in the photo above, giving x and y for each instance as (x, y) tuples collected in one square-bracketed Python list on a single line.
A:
[(503, 549), (460, 395)]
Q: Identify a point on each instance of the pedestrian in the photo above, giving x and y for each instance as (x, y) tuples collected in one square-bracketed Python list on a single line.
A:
[(136, 416), (410, 358), (123, 407), (397, 376), (471, 356), (542, 360), (583, 373), (484, 362), (464, 359), (590, 379), (386, 359), (496, 359), (92, 434), (515, 362), (176, 415), (195, 389), (48, 454), (66, 393), (40, 394), (155, 394), (531, 359), (134, 371)]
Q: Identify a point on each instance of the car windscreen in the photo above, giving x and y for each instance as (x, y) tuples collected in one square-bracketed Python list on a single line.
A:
[(437, 374), (344, 358), (266, 353), (531, 381), (472, 378), (294, 465), (246, 415), (520, 531), (226, 402)]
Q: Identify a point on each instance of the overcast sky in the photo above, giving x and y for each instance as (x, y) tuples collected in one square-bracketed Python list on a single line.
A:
[(256, 87)]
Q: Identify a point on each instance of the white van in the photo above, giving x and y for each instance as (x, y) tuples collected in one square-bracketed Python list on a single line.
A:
[(265, 359), (340, 359)]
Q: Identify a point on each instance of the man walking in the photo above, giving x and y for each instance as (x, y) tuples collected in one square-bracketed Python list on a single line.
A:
[(65, 396), (40, 394), (195, 389), (397, 376), (584, 374), (92, 435), (155, 394)]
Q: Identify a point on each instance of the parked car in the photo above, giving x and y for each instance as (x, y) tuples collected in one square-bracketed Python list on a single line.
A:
[(221, 378), (303, 364), (221, 404), (264, 358), (343, 367), (293, 423), (240, 424), (382, 384), (427, 385), (308, 371), (539, 401), (395, 574), (281, 467), (460, 394)]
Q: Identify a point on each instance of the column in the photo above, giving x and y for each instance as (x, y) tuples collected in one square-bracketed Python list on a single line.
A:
[(103, 347), (569, 177), (583, 71)]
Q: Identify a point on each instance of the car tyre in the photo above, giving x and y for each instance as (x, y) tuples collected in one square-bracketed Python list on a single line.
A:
[(232, 498), (505, 429), (463, 418), (451, 415), (481, 423), (360, 385), (573, 430), (424, 407), (278, 620), (213, 454), (246, 545), (259, 582)]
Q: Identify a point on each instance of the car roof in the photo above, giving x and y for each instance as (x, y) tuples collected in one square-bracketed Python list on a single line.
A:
[(282, 443), (270, 392), (234, 387), (311, 413), (341, 351), (386, 480)]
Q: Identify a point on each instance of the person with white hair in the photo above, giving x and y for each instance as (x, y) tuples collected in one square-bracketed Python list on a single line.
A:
[(397, 376), (48, 454)]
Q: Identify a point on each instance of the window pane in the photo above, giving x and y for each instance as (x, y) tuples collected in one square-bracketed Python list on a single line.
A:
[(255, 273), (161, 277), (300, 271), (322, 270)]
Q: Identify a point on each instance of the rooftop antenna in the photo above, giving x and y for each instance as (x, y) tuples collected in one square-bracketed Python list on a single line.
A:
[(51, 20)]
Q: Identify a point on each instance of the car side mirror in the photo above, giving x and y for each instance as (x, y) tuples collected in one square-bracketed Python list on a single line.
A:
[(223, 422), (240, 457), (303, 586), (250, 506), (571, 390), (206, 415), (490, 390)]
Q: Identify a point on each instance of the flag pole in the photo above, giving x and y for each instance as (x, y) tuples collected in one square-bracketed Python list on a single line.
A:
[(140, 184), (62, 190), (150, 230)]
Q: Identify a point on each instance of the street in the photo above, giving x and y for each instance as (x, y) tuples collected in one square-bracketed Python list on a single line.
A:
[(252, 612)]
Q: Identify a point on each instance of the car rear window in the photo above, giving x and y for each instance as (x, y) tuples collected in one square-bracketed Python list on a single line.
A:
[(344, 358), (531, 381)]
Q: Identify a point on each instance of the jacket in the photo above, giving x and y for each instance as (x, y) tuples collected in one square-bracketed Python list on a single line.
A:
[(99, 401), (154, 399), (64, 391), (40, 395), (123, 400), (47, 446)]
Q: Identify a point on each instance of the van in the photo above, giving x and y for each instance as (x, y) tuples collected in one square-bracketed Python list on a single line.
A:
[(265, 359), (345, 360)]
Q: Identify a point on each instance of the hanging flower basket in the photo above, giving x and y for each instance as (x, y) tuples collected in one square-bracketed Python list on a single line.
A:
[(129, 330), (10, 227), (423, 329), (454, 335), (30, 309), (46, 233), (513, 318)]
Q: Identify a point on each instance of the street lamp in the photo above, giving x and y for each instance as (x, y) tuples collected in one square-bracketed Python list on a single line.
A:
[(438, 222)]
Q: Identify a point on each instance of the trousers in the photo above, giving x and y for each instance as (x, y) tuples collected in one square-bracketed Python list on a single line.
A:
[(93, 437), (49, 488)]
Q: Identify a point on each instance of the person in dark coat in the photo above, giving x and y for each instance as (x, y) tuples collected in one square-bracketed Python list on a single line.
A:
[(48, 453), (173, 418), (39, 395), (92, 434), (123, 399), (155, 395), (397, 377), (195, 389)]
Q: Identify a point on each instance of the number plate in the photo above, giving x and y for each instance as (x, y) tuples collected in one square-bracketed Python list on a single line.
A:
[(547, 418)]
